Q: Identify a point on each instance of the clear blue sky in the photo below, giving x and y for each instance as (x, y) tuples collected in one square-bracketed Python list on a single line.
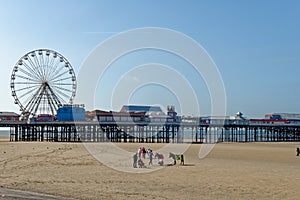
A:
[(255, 44)]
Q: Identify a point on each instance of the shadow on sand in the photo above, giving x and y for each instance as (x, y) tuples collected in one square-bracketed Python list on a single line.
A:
[(188, 165), (185, 165)]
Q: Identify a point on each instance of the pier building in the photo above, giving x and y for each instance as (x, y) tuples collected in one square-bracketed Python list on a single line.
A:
[(9, 116)]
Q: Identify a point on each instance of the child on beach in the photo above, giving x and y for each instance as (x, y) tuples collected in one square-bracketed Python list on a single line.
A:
[(160, 159), (150, 154), (141, 163)]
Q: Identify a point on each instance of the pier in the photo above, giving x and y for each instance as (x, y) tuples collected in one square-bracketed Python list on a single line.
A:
[(138, 132)]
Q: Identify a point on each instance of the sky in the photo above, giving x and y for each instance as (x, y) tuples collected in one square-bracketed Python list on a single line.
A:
[(254, 45)]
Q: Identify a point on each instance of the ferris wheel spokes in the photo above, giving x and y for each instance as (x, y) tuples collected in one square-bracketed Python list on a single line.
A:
[(41, 81)]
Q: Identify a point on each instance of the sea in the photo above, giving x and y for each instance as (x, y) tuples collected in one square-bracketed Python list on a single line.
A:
[(4, 131)]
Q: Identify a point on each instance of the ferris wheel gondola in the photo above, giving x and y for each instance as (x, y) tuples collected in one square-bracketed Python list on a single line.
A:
[(41, 81)]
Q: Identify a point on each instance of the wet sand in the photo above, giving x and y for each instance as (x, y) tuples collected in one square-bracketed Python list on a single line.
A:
[(230, 171)]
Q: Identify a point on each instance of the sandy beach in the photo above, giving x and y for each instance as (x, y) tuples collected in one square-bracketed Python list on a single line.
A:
[(230, 171)]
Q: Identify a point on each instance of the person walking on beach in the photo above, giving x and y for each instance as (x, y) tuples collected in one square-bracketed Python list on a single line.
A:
[(135, 158), (298, 151), (143, 152), (150, 154), (140, 152)]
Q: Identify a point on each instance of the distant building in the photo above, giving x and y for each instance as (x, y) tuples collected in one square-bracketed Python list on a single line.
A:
[(111, 116), (44, 118), (279, 118), (290, 116), (9, 116), (172, 115), (71, 112), (151, 113), (139, 108), (238, 119), (273, 116), (134, 113), (171, 111)]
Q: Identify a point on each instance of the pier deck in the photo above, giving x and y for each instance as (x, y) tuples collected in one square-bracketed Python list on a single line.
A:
[(149, 133)]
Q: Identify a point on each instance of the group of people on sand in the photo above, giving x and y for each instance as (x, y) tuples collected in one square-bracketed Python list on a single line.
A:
[(141, 155)]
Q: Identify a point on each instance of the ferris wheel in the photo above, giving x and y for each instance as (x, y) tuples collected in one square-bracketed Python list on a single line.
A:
[(41, 81)]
